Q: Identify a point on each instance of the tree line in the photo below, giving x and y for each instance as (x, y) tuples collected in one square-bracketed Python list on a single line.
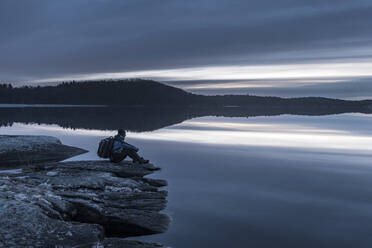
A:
[(103, 92), (141, 92)]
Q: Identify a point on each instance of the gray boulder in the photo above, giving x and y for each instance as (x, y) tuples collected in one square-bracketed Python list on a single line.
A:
[(27, 149), (81, 204)]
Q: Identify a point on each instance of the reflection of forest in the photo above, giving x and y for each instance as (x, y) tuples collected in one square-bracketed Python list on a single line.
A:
[(143, 119)]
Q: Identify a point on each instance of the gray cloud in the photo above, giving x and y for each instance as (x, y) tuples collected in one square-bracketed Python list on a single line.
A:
[(51, 38), (354, 89)]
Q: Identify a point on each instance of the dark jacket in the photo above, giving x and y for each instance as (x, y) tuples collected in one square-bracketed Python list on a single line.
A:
[(120, 145)]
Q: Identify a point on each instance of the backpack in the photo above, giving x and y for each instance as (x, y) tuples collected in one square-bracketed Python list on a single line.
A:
[(105, 147)]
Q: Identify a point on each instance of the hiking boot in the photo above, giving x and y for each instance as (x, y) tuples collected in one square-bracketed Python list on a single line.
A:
[(141, 161)]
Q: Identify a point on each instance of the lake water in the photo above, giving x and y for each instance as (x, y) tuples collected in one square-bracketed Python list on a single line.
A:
[(275, 181)]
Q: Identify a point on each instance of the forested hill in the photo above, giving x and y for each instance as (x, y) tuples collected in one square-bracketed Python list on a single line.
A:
[(118, 92), (138, 92)]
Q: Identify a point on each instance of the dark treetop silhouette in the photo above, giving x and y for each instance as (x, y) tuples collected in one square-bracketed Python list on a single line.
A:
[(139, 92), (161, 105)]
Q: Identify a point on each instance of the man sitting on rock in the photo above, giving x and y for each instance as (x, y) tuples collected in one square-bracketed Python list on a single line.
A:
[(121, 150)]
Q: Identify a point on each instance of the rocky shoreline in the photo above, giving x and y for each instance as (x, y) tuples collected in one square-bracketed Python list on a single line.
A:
[(81, 204), (29, 149)]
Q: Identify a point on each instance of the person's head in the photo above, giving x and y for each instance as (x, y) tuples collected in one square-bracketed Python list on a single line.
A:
[(121, 132)]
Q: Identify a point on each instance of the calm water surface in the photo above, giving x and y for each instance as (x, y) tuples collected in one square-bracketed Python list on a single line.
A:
[(283, 181)]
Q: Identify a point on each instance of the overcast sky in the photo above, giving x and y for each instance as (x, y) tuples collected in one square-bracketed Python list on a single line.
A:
[(256, 44)]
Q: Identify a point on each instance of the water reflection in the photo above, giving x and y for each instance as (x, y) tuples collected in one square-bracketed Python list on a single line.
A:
[(245, 133), (330, 134), (138, 119), (283, 181)]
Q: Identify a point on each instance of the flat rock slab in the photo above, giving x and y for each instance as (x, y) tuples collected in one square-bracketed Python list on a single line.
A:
[(28, 149), (81, 204)]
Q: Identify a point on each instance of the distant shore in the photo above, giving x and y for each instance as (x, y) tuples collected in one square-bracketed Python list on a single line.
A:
[(149, 93), (4, 105)]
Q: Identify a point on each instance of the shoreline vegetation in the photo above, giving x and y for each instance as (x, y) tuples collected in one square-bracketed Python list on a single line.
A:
[(144, 105), (149, 93)]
